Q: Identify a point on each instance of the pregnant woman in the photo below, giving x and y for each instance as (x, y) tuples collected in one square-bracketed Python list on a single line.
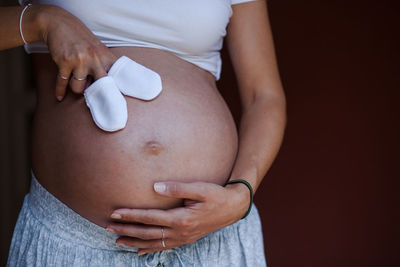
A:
[(158, 192)]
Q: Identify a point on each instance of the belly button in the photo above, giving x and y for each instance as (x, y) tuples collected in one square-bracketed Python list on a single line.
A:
[(153, 148)]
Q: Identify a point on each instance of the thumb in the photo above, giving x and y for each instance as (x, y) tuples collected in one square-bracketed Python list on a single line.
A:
[(194, 190)]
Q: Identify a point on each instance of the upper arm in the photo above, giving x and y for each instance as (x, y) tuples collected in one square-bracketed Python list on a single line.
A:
[(250, 45)]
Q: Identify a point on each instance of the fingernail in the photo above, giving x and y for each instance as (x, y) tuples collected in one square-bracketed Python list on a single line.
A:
[(110, 230), (142, 253), (160, 187), (116, 216), (59, 97), (121, 244)]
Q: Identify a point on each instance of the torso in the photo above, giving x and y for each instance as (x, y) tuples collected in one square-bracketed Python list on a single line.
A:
[(186, 134)]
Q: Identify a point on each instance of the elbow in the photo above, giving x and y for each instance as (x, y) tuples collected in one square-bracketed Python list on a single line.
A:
[(272, 102)]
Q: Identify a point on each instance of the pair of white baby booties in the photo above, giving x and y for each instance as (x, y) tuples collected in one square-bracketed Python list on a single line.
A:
[(104, 97)]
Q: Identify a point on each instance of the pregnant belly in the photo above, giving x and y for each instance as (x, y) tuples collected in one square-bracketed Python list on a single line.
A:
[(186, 134)]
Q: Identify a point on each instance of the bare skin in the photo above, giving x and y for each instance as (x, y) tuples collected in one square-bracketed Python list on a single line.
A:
[(186, 134), (207, 205)]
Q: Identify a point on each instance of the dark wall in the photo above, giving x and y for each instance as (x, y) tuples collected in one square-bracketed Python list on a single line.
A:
[(330, 197)]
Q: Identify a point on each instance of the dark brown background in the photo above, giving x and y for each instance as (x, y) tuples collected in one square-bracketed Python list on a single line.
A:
[(330, 198)]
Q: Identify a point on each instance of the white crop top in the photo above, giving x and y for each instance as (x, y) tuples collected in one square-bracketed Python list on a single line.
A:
[(193, 30)]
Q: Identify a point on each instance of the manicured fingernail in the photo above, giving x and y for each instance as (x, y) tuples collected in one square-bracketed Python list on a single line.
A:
[(110, 230), (116, 216), (121, 244), (59, 97), (160, 187), (141, 253)]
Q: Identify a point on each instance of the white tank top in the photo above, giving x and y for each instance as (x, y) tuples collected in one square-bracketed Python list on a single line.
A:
[(193, 30)]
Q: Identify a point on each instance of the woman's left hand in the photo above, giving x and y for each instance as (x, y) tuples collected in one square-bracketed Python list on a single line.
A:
[(207, 207)]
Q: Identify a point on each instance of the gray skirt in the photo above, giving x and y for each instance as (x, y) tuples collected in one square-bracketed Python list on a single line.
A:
[(49, 233)]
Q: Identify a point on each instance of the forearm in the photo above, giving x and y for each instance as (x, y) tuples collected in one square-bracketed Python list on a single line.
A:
[(9, 26), (260, 136)]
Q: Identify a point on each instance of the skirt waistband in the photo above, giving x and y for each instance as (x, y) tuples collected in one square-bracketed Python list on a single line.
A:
[(65, 223)]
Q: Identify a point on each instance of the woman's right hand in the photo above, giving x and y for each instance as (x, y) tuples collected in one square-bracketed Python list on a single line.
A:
[(74, 48)]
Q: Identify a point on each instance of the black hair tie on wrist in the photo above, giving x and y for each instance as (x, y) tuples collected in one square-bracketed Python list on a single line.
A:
[(251, 192)]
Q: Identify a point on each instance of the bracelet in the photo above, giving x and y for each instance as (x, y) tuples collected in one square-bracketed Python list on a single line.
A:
[(20, 22), (251, 192)]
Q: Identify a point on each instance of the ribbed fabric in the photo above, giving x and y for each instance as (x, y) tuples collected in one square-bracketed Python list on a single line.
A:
[(48, 233)]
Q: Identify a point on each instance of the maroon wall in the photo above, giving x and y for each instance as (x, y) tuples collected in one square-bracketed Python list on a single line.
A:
[(329, 198)]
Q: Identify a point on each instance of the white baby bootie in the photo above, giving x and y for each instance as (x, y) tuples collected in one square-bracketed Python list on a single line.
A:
[(135, 80), (104, 97), (107, 105)]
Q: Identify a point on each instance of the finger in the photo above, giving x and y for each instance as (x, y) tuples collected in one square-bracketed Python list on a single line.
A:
[(143, 232), (195, 190), (146, 244), (62, 83), (109, 62), (89, 81), (146, 216), (78, 81), (99, 70)]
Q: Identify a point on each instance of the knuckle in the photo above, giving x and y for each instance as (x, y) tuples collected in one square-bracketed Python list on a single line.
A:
[(185, 235), (95, 51), (175, 223), (91, 51), (180, 224), (99, 50), (67, 57), (194, 224), (185, 222), (81, 58)]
